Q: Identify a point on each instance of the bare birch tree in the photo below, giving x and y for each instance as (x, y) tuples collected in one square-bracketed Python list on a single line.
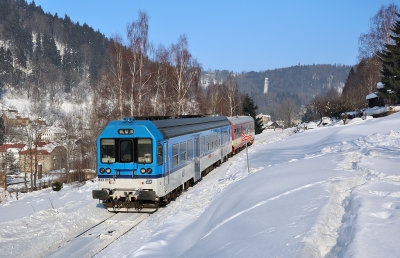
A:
[(160, 78), (214, 98), (373, 42), (116, 68), (231, 95), (72, 125), (185, 72), (139, 74)]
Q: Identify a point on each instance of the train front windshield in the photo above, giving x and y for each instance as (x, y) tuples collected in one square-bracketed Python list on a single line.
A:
[(126, 150)]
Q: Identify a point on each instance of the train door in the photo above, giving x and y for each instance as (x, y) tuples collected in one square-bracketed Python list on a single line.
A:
[(197, 174), (221, 145), (166, 164)]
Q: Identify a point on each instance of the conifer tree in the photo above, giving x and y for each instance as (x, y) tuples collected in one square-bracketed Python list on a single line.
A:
[(249, 108), (391, 67), (50, 50)]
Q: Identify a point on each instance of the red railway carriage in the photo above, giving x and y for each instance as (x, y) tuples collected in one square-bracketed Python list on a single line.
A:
[(242, 131)]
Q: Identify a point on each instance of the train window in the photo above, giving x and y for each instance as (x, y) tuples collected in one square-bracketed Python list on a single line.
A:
[(183, 152), (203, 145), (175, 155), (126, 150), (166, 154), (196, 147), (190, 149), (224, 139), (107, 150), (214, 141), (144, 151), (159, 155)]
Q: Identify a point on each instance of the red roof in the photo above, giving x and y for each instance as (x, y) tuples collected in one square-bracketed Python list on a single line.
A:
[(6, 146), (41, 144)]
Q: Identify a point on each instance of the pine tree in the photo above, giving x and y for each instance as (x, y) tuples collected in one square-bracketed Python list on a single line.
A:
[(6, 62), (391, 68), (11, 161), (249, 108), (50, 50)]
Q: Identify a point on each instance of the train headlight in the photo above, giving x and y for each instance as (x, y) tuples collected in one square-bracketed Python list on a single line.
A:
[(149, 170), (108, 170), (142, 170), (102, 170)]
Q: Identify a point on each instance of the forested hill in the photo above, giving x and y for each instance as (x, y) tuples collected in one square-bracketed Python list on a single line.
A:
[(37, 46), (300, 82)]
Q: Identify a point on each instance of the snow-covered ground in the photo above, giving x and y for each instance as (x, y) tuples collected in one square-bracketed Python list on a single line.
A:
[(327, 192)]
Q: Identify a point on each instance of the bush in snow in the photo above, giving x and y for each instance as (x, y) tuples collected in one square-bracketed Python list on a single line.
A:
[(57, 186)]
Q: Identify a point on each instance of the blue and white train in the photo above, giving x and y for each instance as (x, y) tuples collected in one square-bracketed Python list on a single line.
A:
[(144, 163)]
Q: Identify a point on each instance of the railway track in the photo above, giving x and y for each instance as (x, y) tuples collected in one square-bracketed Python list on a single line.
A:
[(92, 241)]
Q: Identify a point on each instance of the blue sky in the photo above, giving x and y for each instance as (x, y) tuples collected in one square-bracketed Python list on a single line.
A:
[(238, 36)]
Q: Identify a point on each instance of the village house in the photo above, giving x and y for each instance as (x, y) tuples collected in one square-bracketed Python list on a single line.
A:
[(39, 121), (273, 125), (373, 99), (13, 118), (47, 158), (54, 133), (265, 119)]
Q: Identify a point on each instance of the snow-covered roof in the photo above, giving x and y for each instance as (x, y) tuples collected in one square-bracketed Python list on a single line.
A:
[(43, 148), (11, 147), (371, 96), (262, 115)]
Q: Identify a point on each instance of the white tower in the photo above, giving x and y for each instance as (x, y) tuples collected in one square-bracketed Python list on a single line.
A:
[(265, 85)]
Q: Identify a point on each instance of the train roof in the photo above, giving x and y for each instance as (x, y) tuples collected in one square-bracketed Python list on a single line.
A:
[(175, 127), (240, 119)]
